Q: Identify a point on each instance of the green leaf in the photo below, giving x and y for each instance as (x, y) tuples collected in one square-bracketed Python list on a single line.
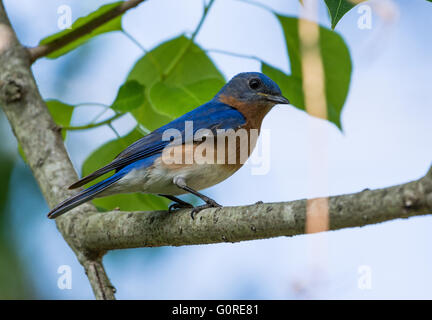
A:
[(111, 25), (336, 63), (128, 202), (337, 8), (175, 69), (61, 114), (176, 100), (130, 96), (291, 86)]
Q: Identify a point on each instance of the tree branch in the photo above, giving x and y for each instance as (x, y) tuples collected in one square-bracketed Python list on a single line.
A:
[(119, 230), (43, 146), (45, 49)]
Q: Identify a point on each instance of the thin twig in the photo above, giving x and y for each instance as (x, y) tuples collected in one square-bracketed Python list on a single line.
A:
[(114, 130), (102, 287), (257, 4), (96, 104), (45, 49), (100, 114), (146, 52), (201, 22), (135, 41), (191, 40), (94, 125), (234, 54)]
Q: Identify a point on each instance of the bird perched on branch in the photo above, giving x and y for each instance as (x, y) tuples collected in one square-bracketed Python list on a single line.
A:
[(188, 154)]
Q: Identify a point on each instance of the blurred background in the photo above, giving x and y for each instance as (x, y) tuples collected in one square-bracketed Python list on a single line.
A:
[(387, 122)]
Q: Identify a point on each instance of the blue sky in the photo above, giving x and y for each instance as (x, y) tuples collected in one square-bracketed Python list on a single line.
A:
[(386, 141)]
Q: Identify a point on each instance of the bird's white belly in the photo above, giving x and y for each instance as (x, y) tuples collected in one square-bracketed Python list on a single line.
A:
[(158, 179)]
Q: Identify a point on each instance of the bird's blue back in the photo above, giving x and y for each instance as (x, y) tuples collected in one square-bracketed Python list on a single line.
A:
[(208, 115), (211, 115)]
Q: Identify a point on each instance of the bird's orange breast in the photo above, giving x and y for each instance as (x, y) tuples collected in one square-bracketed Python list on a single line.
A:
[(254, 112)]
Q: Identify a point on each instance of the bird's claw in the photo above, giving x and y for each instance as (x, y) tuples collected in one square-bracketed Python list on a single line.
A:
[(177, 206), (209, 204)]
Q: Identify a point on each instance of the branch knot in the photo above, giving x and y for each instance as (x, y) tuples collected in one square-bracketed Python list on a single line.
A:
[(11, 89)]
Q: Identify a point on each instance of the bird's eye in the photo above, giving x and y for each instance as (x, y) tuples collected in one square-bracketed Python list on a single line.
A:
[(255, 84)]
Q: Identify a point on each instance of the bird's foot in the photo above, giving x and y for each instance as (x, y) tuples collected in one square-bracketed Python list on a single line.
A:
[(177, 206), (210, 204)]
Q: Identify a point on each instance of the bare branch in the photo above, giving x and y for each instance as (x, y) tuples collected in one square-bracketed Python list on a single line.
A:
[(102, 287), (45, 49), (118, 230)]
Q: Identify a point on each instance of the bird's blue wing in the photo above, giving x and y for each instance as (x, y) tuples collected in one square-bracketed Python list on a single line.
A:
[(212, 115)]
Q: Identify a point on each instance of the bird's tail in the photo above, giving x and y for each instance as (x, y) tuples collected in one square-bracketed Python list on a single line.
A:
[(84, 196)]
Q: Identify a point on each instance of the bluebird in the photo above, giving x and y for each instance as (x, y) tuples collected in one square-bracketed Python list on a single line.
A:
[(241, 104)]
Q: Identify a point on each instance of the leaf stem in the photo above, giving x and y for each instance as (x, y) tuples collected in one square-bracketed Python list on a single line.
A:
[(114, 130), (143, 130), (234, 54), (97, 104), (95, 125), (191, 40), (135, 41), (257, 4), (146, 52), (201, 22)]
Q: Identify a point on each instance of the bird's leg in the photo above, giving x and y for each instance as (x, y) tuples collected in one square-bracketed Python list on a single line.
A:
[(210, 203), (179, 204)]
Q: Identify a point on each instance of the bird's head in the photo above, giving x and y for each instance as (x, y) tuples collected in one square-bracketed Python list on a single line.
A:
[(252, 88)]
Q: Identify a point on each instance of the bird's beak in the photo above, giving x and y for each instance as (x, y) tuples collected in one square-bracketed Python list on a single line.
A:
[(279, 99)]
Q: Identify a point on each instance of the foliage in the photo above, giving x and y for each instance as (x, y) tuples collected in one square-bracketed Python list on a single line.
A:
[(336, 63), (337, 8), (129, 97), (112, 25), (174, 74)]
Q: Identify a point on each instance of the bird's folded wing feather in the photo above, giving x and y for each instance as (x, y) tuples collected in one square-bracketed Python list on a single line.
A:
[(212, 115)]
